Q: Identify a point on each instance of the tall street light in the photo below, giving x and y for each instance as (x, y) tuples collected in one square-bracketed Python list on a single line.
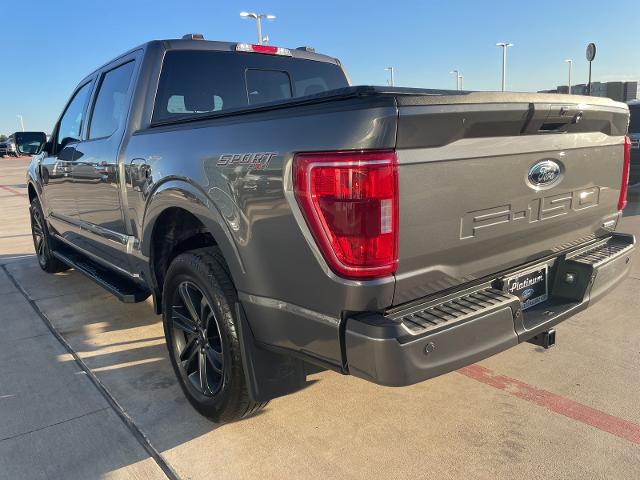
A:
[(570, 62), (504, 46), (258, 18), (21, 122), (458, 78), (391, 79)]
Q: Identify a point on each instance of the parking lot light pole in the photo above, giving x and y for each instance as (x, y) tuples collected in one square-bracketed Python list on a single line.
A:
[(391, 80), (458, 76), (504, 46), (21, 122), (570, 62), (258, 18)]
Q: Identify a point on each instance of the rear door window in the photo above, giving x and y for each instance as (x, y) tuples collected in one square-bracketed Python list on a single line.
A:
[(111, 105)]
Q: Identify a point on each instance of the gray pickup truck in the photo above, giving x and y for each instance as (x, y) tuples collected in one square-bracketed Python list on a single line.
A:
[(284, 221)]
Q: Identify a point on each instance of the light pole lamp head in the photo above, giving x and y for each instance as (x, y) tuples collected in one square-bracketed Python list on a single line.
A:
[(248, 15), (504, 44), (270, 17)]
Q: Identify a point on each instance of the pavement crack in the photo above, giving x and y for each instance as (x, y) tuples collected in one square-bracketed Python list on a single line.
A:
[(111, 400), (17, 435)]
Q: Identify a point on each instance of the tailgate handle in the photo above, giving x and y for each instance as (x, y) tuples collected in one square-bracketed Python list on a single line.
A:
[(560, 117)]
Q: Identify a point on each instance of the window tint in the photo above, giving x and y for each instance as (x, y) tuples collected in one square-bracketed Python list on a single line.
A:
[(176, 105), (71, 121), (195, 82), (267, 86), (311, 86), (110, 109)]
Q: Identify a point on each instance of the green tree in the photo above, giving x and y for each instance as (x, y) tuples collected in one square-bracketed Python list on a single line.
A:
[(3, 138)]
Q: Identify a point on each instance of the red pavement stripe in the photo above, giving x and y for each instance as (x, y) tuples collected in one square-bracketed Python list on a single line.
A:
[(596, 418), (12, 190)]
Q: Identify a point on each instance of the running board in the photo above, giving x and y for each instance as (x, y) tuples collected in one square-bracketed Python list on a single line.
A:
[(126, 290)]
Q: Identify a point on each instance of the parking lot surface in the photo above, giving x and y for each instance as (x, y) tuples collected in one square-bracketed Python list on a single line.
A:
[(102, 400)]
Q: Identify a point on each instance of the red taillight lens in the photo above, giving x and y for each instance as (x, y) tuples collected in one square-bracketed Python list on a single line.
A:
[(264, 49), (622, 201), (350, 202)]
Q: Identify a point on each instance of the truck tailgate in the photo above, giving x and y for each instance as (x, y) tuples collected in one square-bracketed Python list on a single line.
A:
[(474, 195)]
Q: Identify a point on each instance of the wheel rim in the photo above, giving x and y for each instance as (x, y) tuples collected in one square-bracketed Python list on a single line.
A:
[(37, 231), (197, 344)]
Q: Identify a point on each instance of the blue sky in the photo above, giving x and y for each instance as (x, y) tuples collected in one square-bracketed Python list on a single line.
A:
[(62, 40)]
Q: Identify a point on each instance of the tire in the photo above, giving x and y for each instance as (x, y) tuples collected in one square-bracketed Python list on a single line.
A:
[(42, 240), (200, 328)]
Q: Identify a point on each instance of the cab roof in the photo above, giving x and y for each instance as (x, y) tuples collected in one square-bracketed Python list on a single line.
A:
[(305, 53)]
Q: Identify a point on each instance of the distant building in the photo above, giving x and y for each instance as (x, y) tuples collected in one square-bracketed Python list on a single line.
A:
[(620, 91), (630, 91)]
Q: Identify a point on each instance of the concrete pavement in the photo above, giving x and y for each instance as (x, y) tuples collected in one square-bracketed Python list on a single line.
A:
[(54, 422), (569, 412)]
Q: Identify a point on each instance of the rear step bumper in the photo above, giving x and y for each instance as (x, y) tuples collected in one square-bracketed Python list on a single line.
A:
[(439, 336)]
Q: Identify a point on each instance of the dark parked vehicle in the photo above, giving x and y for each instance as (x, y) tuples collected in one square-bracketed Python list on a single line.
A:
[(284, 221), (634, 135), (8, 147)]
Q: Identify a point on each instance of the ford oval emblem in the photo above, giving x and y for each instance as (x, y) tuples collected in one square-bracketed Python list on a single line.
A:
[(527, 293), (544, 174)]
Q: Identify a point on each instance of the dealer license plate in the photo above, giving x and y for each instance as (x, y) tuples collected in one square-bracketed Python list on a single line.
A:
[(530, 286)]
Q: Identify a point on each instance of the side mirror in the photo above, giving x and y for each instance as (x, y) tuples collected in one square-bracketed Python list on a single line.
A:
[(30, 143), (48, 148)]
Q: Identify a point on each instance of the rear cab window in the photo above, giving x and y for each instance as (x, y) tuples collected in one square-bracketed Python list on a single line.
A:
[(196, 82)]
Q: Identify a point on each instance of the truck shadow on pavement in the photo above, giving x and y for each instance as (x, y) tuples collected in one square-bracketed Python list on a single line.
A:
[(122, 344)]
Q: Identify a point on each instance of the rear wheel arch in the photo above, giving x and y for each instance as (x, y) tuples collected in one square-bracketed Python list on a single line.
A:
[(32, 192), (178, 220)]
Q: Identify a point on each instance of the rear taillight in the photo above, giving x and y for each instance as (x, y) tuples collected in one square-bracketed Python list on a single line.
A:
[(267, 49), (626, 165), (350, 203)]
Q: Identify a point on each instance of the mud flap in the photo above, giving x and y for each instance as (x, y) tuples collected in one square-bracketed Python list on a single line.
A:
[(268, 374)]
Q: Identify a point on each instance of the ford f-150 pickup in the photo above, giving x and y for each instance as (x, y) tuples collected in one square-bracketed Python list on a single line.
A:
[(284, 221)]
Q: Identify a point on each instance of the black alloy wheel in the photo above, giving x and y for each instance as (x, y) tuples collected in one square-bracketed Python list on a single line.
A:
[(196, 339), (42, 241), (199, 314), (37, 232)]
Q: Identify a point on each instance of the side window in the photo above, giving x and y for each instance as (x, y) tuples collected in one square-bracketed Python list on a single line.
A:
[(71, 122), (110, 108)]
